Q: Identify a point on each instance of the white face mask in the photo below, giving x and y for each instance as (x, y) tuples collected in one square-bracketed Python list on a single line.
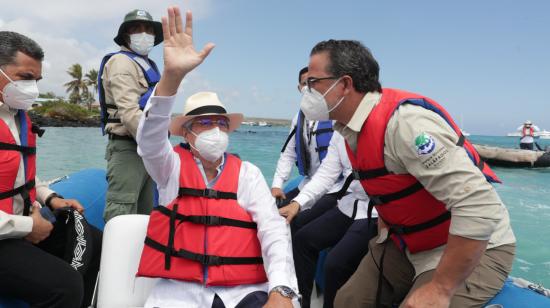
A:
[(314, 105), (211, 144), (142, 43), (19, 94)]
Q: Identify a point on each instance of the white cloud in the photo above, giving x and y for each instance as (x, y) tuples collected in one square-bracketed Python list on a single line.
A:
[(63, 28)]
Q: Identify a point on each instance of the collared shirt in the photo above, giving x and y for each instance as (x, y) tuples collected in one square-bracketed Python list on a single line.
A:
[(287, 159), (163, 164), (447, 173), (124, 83), (335, 165), (17, 226)]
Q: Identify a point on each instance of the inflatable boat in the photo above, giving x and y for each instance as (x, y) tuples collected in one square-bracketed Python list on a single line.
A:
[(513, 158), (123, 242)]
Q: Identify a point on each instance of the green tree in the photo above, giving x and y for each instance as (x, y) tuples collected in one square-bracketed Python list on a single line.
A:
[(76, 87), (91, 81)]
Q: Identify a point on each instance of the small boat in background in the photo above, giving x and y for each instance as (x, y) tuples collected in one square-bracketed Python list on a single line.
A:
[(513, 158)]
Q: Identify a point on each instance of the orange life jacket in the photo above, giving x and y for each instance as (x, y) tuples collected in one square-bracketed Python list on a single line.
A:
[(204, 235), (417, 220), (11, 156)]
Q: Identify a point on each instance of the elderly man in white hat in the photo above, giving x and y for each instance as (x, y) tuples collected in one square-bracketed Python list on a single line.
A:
[(217, 238)]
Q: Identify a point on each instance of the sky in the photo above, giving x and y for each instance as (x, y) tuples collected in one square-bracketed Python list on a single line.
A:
[(485, 61)]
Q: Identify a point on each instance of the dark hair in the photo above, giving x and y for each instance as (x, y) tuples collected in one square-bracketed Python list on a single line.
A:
[(351, 58), (12, 42), (302, 71)]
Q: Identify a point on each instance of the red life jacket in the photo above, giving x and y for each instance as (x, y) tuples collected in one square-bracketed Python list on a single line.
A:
[(415, 218), (11, 156), (204, 235), (528, 132)]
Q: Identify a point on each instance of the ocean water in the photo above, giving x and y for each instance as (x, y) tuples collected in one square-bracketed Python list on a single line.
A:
[(525, 192)]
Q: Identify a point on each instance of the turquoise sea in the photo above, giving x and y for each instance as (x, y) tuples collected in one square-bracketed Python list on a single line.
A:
[(525, 192)]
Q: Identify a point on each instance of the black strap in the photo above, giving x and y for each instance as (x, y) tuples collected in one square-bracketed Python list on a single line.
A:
[(322, 131), (35, 129), (207, 220), (18, 148), (207, 109), (23, 190), (360, 175), (118, 137), (288, 139), (111, 106), (396, 229), (206, 193), (16, 191), (109, 120), (319, 149), (461, 140), (204, 259), (381, 199), (354, 209), (170, 247)]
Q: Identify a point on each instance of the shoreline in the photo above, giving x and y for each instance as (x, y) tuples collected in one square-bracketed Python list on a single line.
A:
[(45, 121)]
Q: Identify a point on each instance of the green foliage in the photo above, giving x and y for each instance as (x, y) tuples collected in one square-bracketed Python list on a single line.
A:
[(60, 109)]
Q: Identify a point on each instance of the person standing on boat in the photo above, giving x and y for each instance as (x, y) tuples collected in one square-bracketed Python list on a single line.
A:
[(306, 147), (31, 249), (217, 238), (125, 81), (444, 234), (344, 229), (527, 140)]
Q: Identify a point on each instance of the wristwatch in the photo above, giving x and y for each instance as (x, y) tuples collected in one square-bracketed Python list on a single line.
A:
[(284, 291)]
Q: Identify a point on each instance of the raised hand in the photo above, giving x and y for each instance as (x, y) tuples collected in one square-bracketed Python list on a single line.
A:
[(180, 56)]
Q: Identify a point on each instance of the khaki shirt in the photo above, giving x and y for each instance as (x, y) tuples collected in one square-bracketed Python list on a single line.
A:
[(123, 84), (17, 226), (447, 173)]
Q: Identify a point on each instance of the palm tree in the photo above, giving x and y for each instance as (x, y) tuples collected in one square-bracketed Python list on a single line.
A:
[(91, 81), (77, 87)]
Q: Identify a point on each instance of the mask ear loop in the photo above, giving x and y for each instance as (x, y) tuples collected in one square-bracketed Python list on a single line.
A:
[(329, 89), (7, 77)]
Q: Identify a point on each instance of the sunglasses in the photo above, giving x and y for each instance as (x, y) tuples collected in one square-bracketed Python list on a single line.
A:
[(207, 123)]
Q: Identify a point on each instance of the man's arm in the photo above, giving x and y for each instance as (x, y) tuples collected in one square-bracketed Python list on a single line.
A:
[(286, 161), (326, 175), (14, 226), (273, 233)]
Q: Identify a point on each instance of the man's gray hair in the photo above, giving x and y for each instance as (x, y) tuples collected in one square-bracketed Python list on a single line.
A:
[(12, 42)]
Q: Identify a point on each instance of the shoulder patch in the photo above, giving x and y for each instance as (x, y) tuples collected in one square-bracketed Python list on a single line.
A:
[(424, 144)]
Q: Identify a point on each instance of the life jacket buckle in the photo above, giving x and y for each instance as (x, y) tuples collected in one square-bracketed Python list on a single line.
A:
[(213, 220), (397, 229), (376, 200), (356, 175), (212, 260), (210, 193)]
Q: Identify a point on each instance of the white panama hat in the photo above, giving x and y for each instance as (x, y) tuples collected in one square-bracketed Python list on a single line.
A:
[(203, 104)]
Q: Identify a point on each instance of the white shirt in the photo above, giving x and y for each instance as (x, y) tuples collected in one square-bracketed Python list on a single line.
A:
[(528, 139), (336, 163), (253, 194), (287, 159), (17, 226)]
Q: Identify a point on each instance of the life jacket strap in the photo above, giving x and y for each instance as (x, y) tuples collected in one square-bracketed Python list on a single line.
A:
[(207, 220), (288, 139), (360, 175), (19, 148), (400, 230), (208, 260), (206, 193), (23, 190), (322, 131)]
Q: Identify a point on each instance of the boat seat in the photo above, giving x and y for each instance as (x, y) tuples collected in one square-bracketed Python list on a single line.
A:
[(122, 244)]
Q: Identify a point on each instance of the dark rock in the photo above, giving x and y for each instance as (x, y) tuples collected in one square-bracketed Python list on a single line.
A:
[(56, 122)]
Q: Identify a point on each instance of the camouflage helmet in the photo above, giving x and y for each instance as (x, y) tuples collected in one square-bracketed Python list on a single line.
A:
[(141, 16)]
